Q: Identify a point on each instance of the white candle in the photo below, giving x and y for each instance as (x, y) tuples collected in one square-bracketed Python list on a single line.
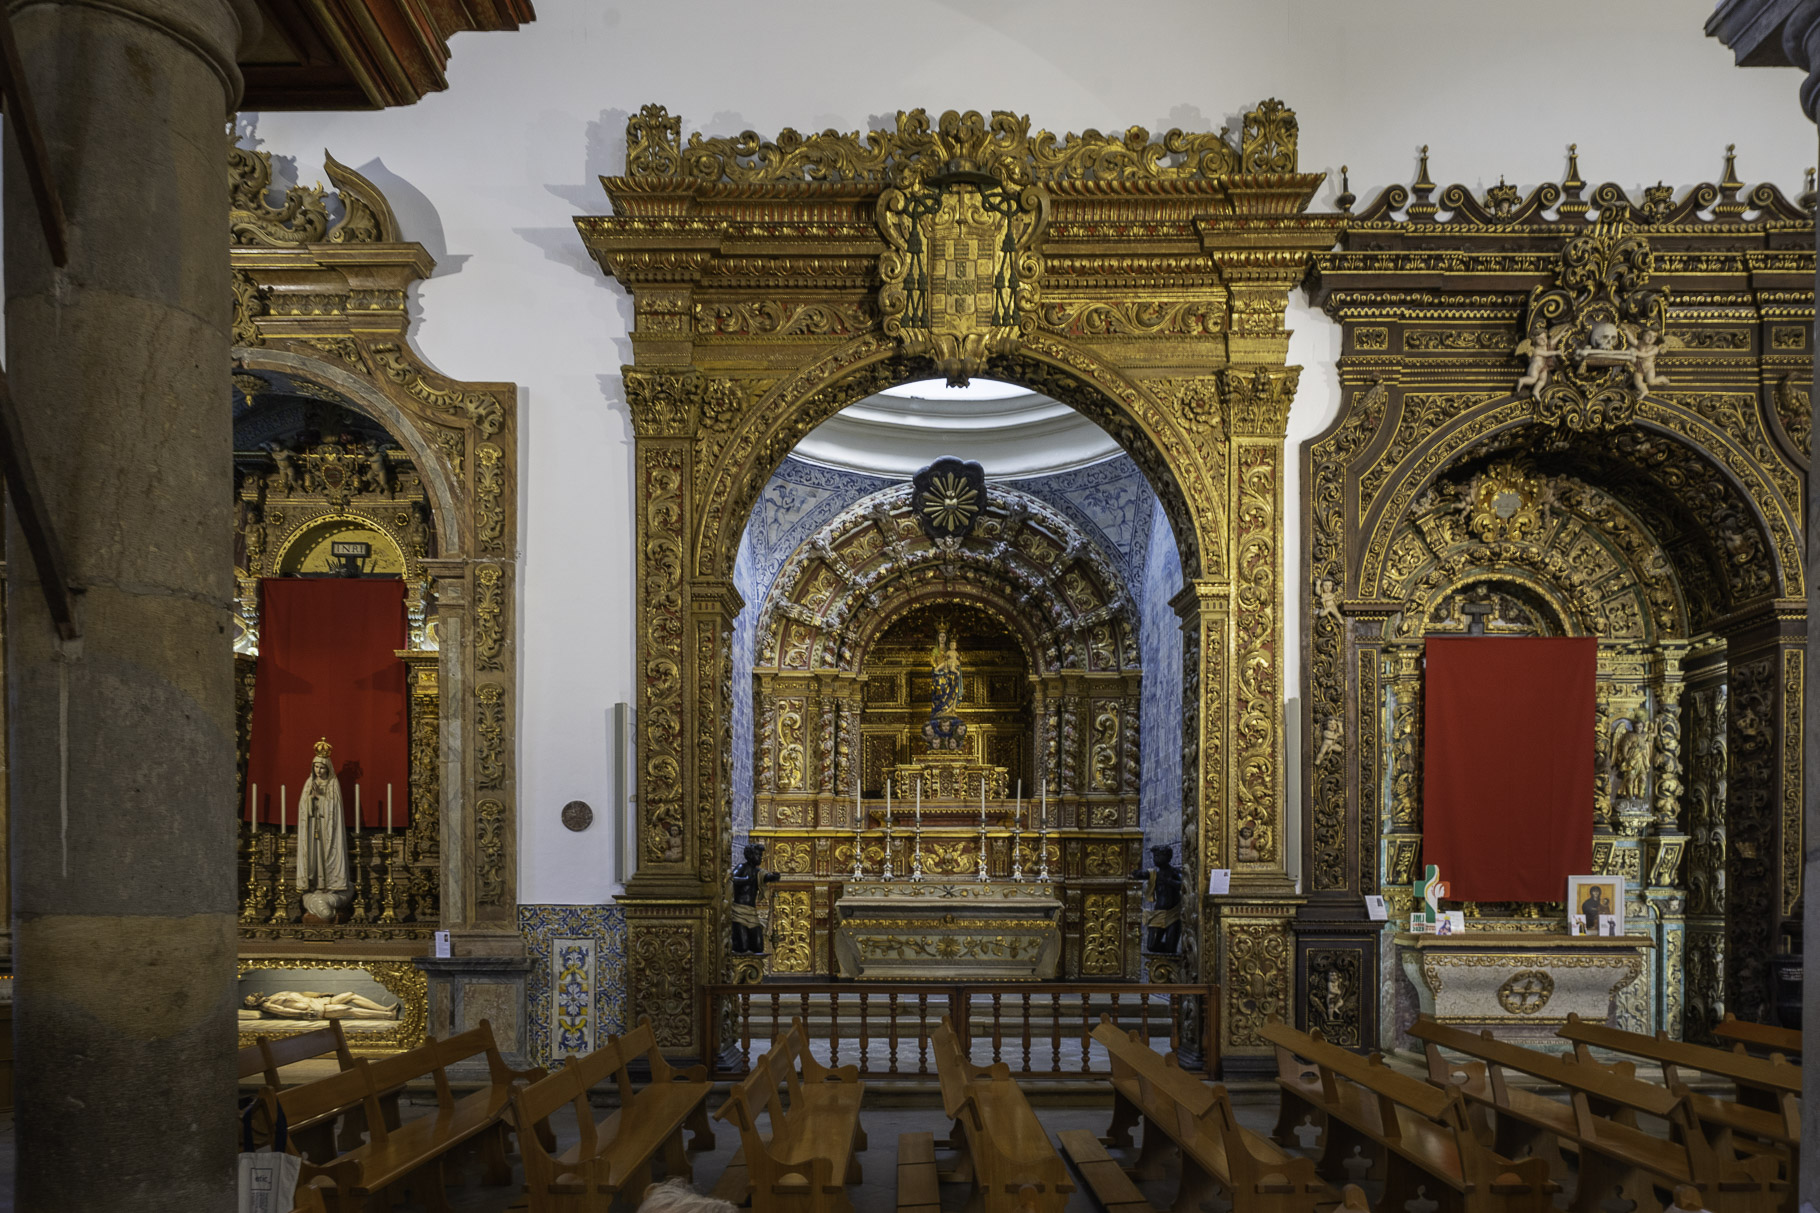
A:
[(388, 808), (281, 808), (1017, 813), (356, 808), (982, 802), (856, 808), (253, 811), (919, 802), (887, 804)]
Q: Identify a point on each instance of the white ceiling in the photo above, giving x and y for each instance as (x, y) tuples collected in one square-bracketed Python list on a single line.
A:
[(1009, 430)]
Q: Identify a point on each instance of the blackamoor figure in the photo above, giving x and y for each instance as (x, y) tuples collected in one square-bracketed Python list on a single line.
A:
[(748, 878), (1163, 889)]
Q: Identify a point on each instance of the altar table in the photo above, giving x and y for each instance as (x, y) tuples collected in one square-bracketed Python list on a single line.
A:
[(948, 930)]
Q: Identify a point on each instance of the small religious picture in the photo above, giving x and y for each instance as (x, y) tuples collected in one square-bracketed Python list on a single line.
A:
[(1598, 900), (1576, 924)]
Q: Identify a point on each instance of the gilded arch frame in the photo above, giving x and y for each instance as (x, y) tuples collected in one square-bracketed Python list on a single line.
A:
[(755, 270)]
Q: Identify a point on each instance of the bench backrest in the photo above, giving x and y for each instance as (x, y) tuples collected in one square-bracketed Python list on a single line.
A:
[(250, 1060), (1596, 1081), (1771, 1074), (1762, 1036), (570, 1084), (280, 1051), (326, 1097), (1368, 1072)]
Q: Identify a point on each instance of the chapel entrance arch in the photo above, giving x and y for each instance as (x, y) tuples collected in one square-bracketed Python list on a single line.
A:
[(1144, 283)]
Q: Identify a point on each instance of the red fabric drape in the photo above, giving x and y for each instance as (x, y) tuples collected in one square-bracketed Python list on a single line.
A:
[(1508, 764), (328, 667)]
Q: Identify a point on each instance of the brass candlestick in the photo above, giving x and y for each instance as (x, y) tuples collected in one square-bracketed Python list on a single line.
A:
[(389, 913), (363, 878), (284, 889), (255, 886)]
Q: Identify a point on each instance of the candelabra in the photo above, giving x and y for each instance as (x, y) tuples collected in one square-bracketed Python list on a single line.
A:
[(859, 851), (983, 876), (1017, 854), (886, 872), (916, 851), (389, 911), (255, 886), (363, 880), (285, 890)]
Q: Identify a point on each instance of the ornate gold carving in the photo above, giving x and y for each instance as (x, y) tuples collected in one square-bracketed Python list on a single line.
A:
[(790, 764), (1257, 399), (1257, 979), (250, 303), (481, 409), (1102, 934), (675, 403), (1332, 994), (660, 962), (1792, 776), (489, 853), (489, 727), (1796, 413), (660, 780), (489, 491), (1526, 992), (791, 932), (489, 617), (960, 272), (1507, 501), (1595, 335), (1255, 633), (783, 318), (1003, 143), (1133, 318)]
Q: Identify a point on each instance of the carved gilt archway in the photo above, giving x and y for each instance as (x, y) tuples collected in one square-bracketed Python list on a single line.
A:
[(776, 281)]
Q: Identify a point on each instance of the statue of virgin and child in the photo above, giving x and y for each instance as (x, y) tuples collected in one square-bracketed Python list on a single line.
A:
[(945, 730)]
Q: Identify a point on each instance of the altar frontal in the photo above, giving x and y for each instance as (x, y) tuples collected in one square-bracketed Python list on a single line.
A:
[(995, 931)]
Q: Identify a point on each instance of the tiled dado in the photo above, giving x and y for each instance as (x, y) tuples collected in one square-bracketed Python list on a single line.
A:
[(576, 990)]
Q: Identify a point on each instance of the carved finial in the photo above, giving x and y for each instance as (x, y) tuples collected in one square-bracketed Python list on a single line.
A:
[(1422, 208), (1346, 199), (1728, 206), (1571, 203), (1809, 196)]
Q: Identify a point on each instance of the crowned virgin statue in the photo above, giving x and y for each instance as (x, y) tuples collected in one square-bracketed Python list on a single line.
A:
[(945, 729), (322, 842)]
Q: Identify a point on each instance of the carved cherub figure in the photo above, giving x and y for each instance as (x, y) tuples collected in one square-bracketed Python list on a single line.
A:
[(1328, 591), (1542, 352), (1333, 738), (1643, 370)]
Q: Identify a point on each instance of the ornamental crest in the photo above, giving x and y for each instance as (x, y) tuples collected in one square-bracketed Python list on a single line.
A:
[(947, 497), (960, 268), (1595, 335)]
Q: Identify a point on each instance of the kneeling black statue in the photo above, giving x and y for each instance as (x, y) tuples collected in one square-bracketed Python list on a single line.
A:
[(748, 878)]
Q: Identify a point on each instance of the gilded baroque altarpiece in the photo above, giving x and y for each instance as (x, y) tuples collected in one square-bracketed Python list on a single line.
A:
[(1141, 281), (320, 312), (1567, 413)]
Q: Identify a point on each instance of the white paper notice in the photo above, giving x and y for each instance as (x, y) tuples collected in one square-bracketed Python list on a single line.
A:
[(1374, 906), (1219, 880), (442, 945)]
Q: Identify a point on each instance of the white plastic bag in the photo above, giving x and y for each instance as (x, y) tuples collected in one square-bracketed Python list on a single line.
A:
[(268, 1178)]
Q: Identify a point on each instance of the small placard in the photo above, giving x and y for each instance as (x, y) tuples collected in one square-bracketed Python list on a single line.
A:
[(1419, 924), (1452, 922), (1608, 924), (1219, 880), (350, 547), (442, 945), (1375, 908), (1576, 924)]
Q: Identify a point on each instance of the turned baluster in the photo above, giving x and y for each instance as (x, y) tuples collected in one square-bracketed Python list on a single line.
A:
[(1086, 1030), (865, 1053), (893, 1031), (922, 1033), (1026, 1031), (1055, 1033), (997, 1027), (833, 1029)]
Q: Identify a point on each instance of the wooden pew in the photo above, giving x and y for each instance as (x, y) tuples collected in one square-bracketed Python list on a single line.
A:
[(1600, 1121), (415, 1149), (1760, 1083), (1420, 1133), (918, 1184), (316, 1140), (808, 1159), (1758, 1037), (1006, 1149), (1180, 1110), (613, 1155)]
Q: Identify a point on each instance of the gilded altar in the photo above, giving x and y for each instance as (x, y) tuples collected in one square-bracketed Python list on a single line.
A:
[(948, 930)]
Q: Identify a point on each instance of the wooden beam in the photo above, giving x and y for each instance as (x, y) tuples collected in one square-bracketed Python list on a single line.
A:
[(34, 519), (18, 104)]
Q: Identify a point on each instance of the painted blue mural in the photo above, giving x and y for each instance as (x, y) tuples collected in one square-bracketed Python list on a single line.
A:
[(1160, 646)]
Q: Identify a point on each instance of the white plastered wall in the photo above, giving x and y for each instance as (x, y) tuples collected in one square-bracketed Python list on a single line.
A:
[(488, 174)]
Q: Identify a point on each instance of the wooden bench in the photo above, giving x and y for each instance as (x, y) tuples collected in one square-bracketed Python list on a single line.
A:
[(1195, 1118), (613, 1155), (1761, 1083), (1106, 1179), (272, 1052), (808, 1159), (1419, 1133), (1006, 1151), (1758, 1037), (918, 1184), (410, 1153), (1600, 1122)]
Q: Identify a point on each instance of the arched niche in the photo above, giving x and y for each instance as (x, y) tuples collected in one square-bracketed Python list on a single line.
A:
[(320, 311), (1153, 278)]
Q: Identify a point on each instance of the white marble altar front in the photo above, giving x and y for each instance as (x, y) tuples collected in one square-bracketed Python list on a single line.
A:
[(1521, 986), (948, 931)]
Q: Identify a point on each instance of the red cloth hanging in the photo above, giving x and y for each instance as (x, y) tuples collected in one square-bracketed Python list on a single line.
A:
[(1507, 794), (329, 667)]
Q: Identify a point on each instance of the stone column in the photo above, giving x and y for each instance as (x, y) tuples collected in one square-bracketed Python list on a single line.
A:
[(122, 744)]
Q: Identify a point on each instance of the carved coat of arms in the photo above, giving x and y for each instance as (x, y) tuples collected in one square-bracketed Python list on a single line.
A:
[(960, 269)]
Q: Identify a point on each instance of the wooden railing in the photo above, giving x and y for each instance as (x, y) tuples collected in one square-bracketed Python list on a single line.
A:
[(1041, 1030)]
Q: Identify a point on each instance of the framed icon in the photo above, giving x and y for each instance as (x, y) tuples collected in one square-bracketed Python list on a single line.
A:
[(1596, 899)]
